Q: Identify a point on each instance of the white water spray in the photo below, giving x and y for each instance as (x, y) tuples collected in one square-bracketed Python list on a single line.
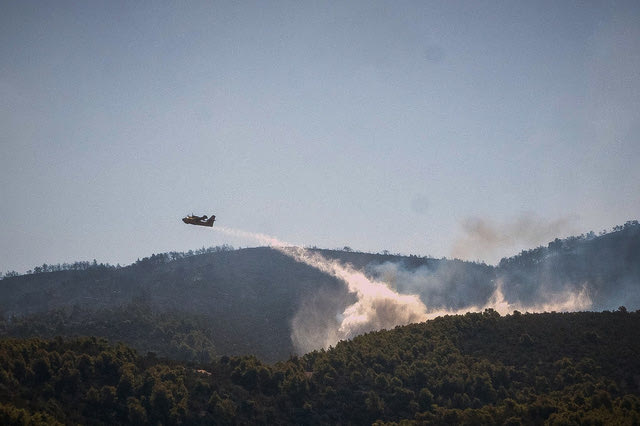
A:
[(376, 307), (261, 238)]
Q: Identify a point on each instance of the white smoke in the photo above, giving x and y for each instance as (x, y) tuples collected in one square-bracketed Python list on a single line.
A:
[(444, 291), (376, 305), (261, 238), (566, 301)]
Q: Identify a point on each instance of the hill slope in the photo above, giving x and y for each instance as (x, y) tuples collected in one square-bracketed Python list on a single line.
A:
[(481, 368), (247, 296), (245, 301)]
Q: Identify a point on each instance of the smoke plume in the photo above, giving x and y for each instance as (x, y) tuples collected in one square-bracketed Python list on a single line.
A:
[(376, 307), (458, 287), (420, 294), (485, 240)]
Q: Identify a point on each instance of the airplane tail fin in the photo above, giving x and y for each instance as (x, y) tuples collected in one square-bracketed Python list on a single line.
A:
[(210, 221)]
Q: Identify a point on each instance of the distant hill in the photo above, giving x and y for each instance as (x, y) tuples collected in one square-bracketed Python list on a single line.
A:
[(243, 301), (247, 296)]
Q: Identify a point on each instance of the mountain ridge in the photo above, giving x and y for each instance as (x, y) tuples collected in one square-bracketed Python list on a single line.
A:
[(249, 296)]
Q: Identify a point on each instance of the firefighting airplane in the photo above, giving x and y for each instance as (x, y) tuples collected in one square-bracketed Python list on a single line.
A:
[(199, 220)]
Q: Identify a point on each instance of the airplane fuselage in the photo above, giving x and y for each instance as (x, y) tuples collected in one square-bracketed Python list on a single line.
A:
[(199, 220)]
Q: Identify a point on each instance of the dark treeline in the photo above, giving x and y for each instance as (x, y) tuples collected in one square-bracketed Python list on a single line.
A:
[(75, 266), (86, 265), (177, 335), (479, 368), (568, 244)]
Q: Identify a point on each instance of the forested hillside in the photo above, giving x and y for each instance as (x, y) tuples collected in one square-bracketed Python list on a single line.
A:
[(482, 368), (244, 299)]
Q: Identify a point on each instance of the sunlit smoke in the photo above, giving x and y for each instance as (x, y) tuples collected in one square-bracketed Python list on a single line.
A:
[(376, 306), (566, 301), (261, 238)]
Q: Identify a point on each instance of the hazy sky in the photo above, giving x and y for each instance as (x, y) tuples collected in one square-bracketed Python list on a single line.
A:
[(430, 128)]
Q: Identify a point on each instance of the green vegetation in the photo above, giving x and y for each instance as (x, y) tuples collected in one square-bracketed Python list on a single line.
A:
[(176, 335), (479, 368)]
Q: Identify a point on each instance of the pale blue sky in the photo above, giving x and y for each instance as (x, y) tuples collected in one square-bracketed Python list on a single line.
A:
[(377, 125)]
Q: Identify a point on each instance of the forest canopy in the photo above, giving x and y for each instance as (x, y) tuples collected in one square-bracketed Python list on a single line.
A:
[(478, 368)]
